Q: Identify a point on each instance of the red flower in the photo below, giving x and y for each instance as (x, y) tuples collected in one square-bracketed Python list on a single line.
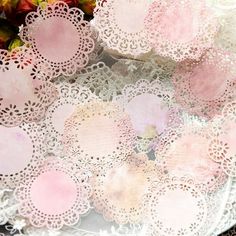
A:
[(16, 10)]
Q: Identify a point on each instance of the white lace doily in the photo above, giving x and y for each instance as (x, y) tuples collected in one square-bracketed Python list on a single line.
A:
[(70, 96), (121, 30)]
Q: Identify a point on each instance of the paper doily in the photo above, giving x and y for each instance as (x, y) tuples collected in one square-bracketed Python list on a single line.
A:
[(49, 33), (98, 134), (56, 195), (100, 79), (121, 30), (118, 192), (203, 88), (222, 147), (70, 95), (21, 150), (24, 92), (176, 207), (194, 31), (184, 151), (152, 117)]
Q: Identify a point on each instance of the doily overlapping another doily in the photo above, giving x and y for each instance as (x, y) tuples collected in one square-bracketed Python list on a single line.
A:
[(49, 34)]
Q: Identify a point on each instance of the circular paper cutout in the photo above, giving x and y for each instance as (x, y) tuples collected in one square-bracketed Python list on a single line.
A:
[(70, 95), (56, 195), (152, 117), (184, 152), (204, 87), (60, 37), (118, 191), (176, 207), (121, 30), (21, 150), (194, 31), (98, 134), (24, 92)]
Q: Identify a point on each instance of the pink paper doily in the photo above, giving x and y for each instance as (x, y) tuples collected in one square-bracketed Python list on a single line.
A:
[(118, 191), (222, 146), (184, 151), (150, 107), (176, 207), (70, 95), (56, 195), (21, 150), (194, 28), (59, 37), (204, 87), (98, 134), (25, 92), (121, 30)]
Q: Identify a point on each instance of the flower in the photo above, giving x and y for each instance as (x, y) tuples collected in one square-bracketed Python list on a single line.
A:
[(87, 6), (17, 10), (7, 32)]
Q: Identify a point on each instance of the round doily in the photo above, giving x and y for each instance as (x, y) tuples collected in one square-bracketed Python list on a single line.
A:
[(56, 195), (120, 29), (194, 31), (48, 32), (203, 88), (152, 117), (176, 207), (24, 92), (70, 95), (184, 151), (21, 150), (222, 146), (118, 191), (98, 134)]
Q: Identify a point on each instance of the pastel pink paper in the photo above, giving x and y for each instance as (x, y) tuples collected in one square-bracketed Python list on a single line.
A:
[(98, 136), (147, 110), (185, 19), (53, 192), (56, 39), (15, 150), (189, 156), (178, 208), (17, 86), (60, 115), (208, 82)]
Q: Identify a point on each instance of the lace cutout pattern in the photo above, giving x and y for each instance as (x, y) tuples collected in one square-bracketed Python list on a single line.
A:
[(56, 195), (21, 150), (194, 31), (118, 192), (170, 200), (98, 134), (204, 87), (222, 146), (152, 117), (184, 151), (100, 80), (121, 30), (58, 21), (70, 95), (24, 92)]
